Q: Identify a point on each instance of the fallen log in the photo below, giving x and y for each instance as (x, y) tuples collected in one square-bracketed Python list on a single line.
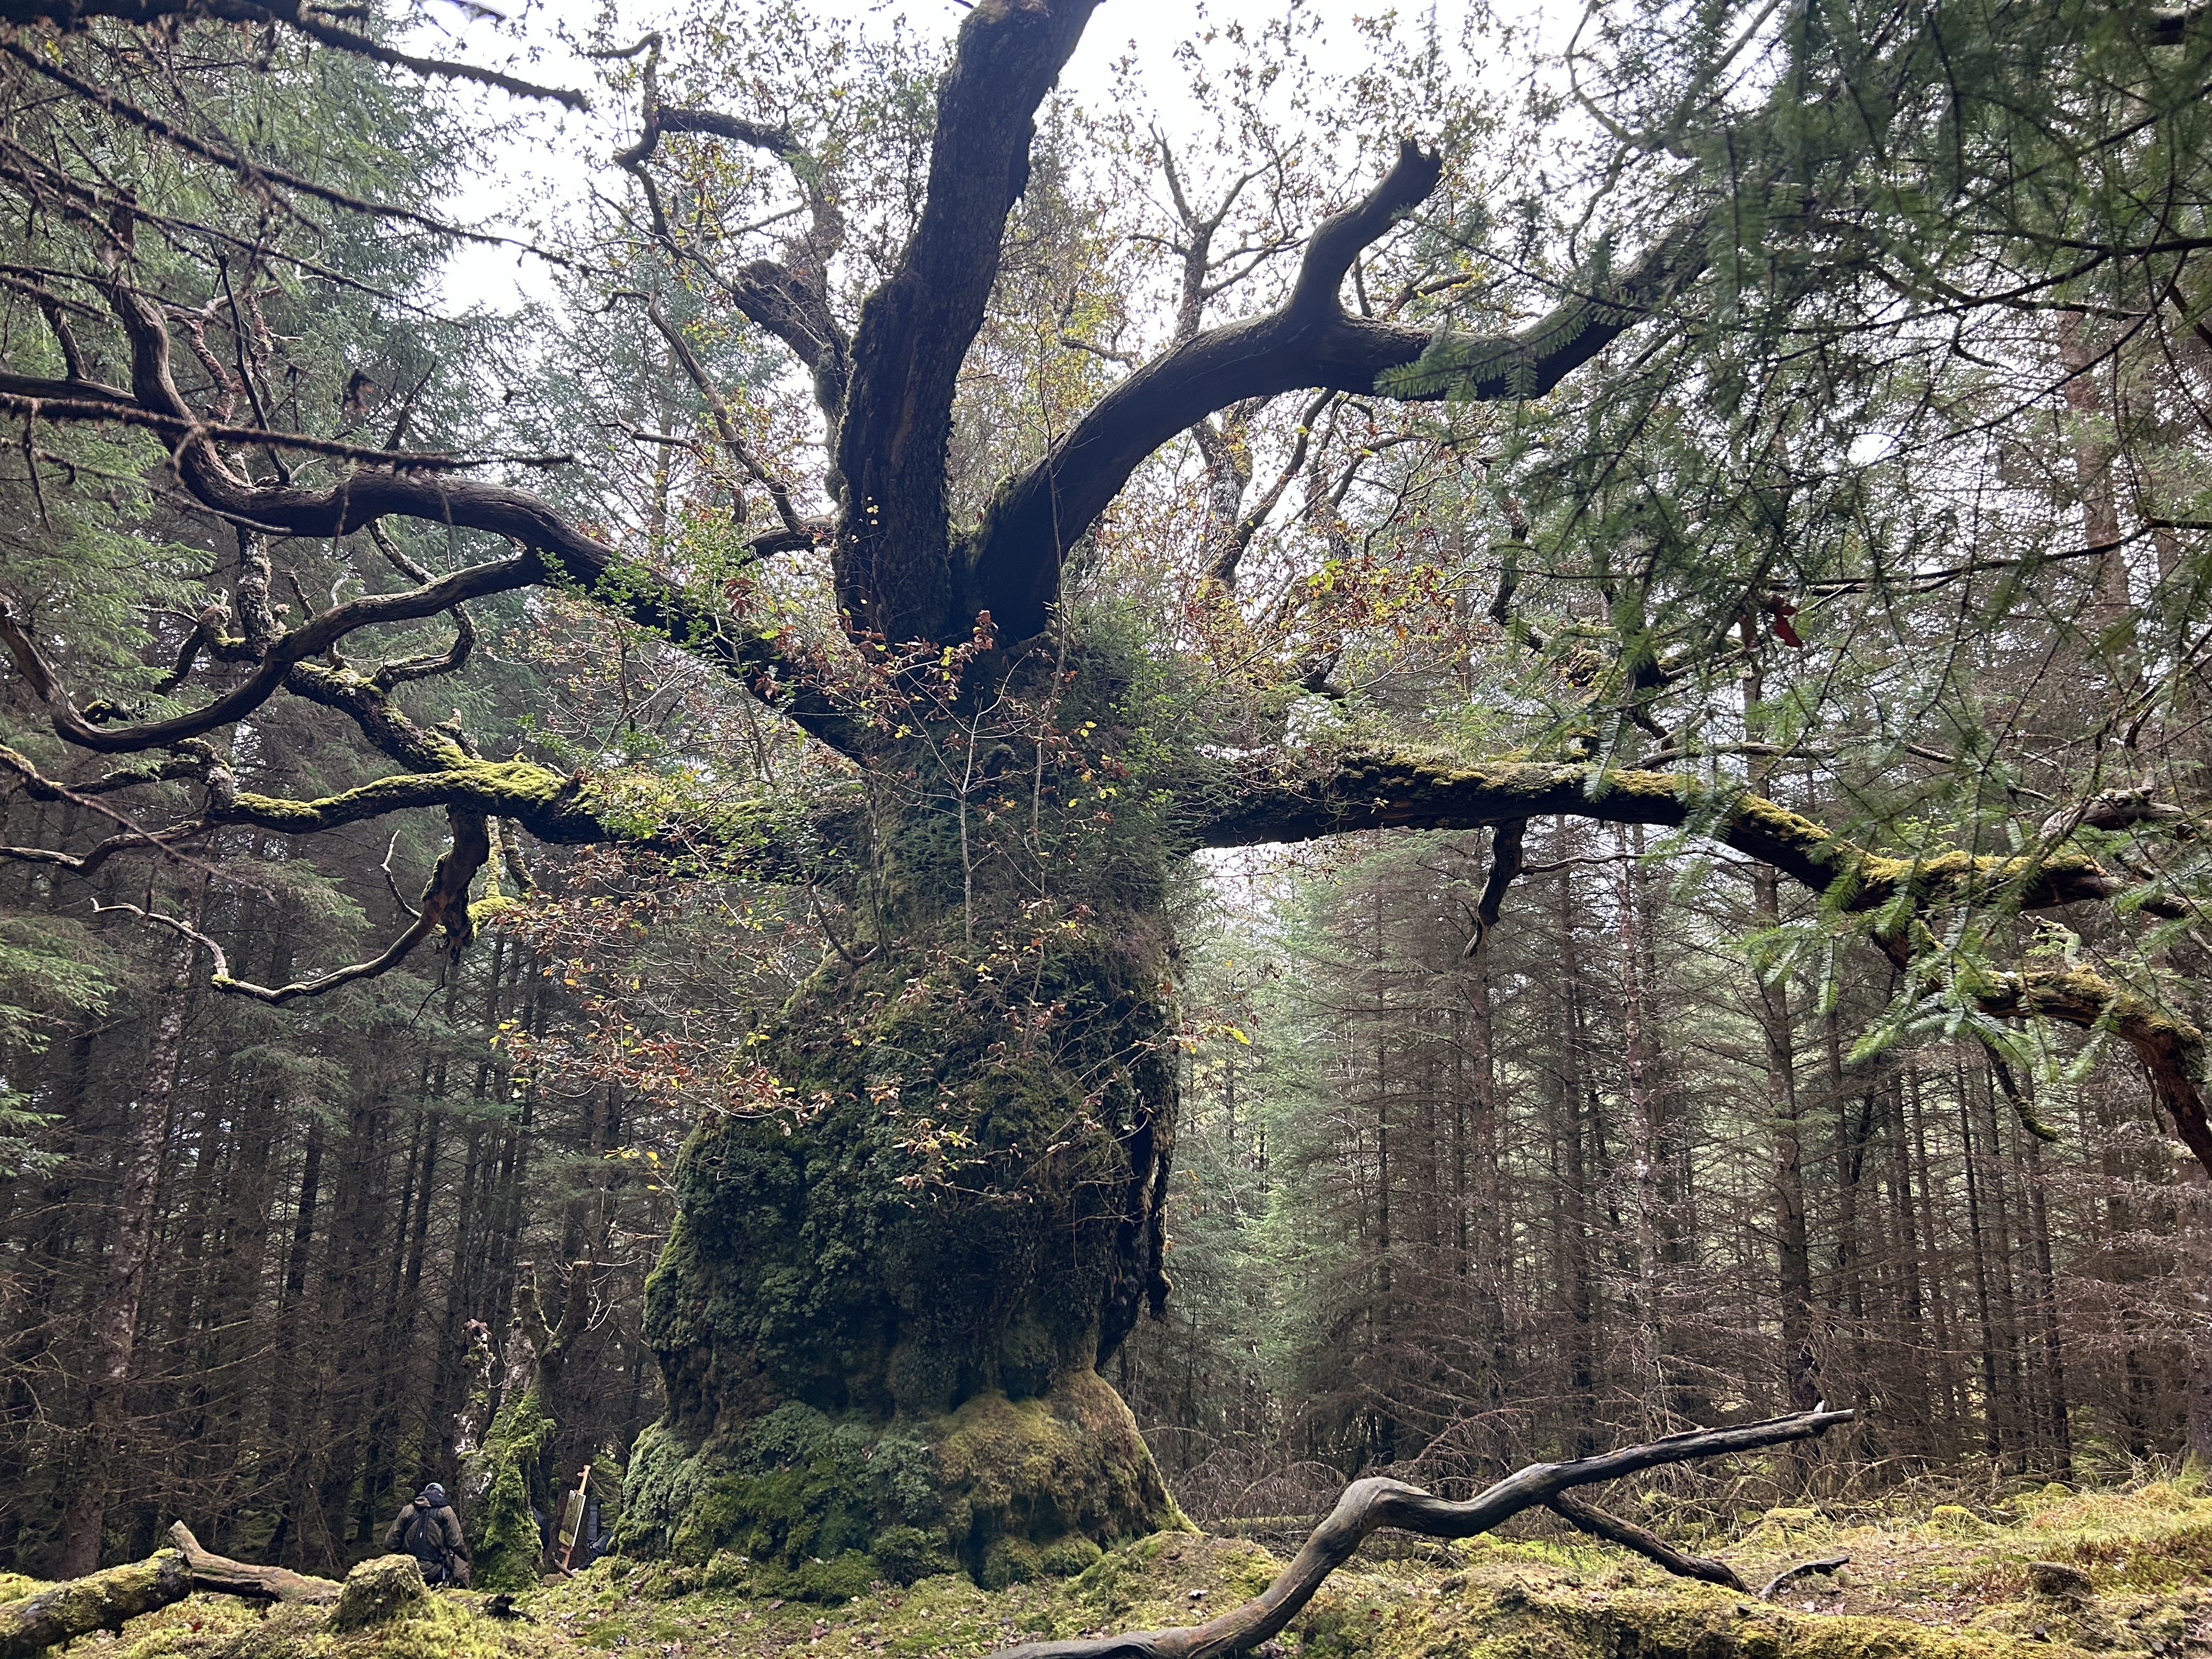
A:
[(103, 1601), (224, 1577), (99, 1601), (1368, 1506)]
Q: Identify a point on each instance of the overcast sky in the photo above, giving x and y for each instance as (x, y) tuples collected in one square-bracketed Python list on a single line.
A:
[(550, 158)]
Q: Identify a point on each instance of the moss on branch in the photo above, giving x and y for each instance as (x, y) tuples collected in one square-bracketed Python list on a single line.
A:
[(1252, 801)]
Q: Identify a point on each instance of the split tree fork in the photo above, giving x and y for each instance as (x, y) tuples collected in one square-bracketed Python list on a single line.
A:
[(955, 1309)]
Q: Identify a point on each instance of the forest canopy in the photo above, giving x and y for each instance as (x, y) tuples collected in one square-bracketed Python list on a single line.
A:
[(1540, 699)]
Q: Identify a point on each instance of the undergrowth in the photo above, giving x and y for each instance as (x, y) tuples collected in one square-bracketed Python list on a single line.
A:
[(1950, 1581)]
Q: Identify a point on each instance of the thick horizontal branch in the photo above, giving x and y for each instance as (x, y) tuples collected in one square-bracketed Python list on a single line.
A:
[(1368, 1505), (2172, 1051), (761, 840), (1254, 802), (765, 840), (1258, 802), (1011, 563)]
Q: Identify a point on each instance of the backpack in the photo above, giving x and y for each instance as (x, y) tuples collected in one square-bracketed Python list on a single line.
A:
[(426, 1542)]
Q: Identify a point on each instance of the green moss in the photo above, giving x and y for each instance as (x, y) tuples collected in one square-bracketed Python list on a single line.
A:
[(220, 1627), (1917, 1592), (907, 1554), (1955, 1521), (959, 1216), (382, 1588), (504, 1542), (796, 1493)]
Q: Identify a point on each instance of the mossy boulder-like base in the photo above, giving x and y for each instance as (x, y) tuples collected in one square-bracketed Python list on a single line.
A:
[(386, 1588), (503, 1538), (803, 1505), (881, 1312)]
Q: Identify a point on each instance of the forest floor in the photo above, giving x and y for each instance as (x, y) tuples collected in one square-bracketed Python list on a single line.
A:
[(1949, 1583)]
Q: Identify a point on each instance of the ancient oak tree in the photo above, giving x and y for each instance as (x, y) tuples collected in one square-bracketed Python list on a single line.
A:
[(925, 1204)]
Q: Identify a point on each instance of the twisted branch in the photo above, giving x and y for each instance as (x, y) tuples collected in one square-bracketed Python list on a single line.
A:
[(1368, 1505)]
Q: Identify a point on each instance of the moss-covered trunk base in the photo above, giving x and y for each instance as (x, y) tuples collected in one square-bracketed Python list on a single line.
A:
[(802, 1505), (897, 1271)]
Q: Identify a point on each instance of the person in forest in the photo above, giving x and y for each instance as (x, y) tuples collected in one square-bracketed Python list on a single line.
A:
[(428, 1529)]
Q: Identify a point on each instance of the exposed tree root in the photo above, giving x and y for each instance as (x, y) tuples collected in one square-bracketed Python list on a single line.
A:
[(1368, 1506)]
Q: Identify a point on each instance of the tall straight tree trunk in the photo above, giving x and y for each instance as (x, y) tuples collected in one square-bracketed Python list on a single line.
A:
[(1493, 1261), (1793, 1247), (2197, 1242), (115, 1316), (2114, 607), (1644, 1129), (1792, 1242), (1994, 1418), (1581, 1290), (2057, 1413), (2005, 1244)]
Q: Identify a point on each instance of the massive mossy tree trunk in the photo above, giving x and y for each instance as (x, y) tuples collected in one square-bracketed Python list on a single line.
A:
[(932, 1206)]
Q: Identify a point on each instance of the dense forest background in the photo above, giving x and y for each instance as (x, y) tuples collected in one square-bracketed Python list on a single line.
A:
[(1657, 1146)]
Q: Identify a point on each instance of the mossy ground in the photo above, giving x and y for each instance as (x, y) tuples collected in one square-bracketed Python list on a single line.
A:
[(1950, 1586)]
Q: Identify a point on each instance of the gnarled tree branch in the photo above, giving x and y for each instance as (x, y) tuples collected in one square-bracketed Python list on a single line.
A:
[(1256, 802), (894, 558), (1012, 561), (1628, 1536), (1368, 1505), (552, 552)]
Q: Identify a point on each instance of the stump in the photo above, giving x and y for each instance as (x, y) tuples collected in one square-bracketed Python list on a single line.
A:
[(384, 1588)]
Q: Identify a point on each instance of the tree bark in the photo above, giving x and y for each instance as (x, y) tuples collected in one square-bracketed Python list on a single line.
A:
[(89, 1602), (115, 1317)]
